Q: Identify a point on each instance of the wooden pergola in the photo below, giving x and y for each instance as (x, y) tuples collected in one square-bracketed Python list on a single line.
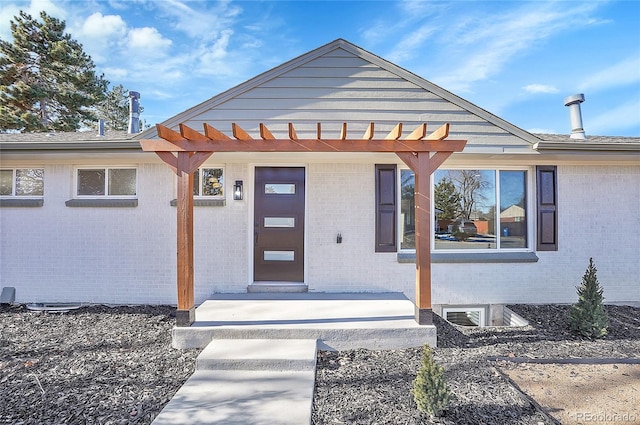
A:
[(187, 150)]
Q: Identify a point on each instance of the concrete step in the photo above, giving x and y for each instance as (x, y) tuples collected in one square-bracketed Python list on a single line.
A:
[(259, 354), (329, 338), (277, 287)]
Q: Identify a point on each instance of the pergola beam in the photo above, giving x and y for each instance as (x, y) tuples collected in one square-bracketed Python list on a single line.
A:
[(215, 141)]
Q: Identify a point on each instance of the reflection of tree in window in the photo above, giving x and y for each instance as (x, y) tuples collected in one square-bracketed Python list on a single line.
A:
[(464, 202), (407, 211), (6, 182), (122, 181), (466, 209), (208, 182), (446, 199), (91, 182), (212, 183), (22, 182), (472, 186), (30, 182), (513, 209)]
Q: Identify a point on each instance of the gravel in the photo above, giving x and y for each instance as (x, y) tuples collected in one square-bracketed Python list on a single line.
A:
[(373, 387), (115, 365), (94, 365)]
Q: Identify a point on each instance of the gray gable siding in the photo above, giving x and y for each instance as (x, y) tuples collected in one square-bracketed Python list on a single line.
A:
[(343, 85)]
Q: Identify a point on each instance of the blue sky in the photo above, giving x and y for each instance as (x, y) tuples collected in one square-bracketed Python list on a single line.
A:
[(518, 60)]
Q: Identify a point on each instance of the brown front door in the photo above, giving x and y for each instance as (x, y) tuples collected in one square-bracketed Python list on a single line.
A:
[(278, 253)]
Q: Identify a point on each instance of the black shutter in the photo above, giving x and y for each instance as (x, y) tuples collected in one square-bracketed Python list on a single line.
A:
[(386, 200), (547, 197)]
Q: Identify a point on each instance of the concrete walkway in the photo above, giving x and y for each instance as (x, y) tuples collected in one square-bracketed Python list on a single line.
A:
[(261, 382), (258, 362)]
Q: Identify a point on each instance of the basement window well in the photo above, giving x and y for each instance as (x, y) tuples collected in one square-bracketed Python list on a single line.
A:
[(465, 316), (487, 315)]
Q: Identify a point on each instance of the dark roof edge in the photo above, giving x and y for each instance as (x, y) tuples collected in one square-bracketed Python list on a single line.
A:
[(545, 146), (107, 145)]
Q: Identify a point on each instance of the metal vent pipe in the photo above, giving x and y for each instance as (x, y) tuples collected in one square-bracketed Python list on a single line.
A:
[(573, 102), (134, 112)]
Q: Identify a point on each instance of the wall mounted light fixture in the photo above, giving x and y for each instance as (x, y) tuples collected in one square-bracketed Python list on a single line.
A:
[(237, 190)]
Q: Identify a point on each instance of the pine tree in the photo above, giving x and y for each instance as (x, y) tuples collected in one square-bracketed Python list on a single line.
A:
[(447, 199), (47, 81), (430, 391), (114, 109), (587, 317)]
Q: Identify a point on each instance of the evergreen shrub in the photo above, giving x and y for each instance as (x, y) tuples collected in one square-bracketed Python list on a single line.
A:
[(430, 390), (588, 317)]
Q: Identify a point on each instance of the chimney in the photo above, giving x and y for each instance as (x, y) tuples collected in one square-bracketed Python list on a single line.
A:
[(573, 102), (101, 127), (134, 112)]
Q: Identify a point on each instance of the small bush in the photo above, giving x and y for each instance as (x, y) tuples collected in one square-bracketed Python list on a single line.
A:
[(587, 317), (430, 390)]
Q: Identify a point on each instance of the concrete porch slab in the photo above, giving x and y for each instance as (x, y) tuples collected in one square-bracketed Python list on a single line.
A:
[(338, 321)]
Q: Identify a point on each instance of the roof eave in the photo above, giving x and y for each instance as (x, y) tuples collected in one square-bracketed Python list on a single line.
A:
[(573, 147), (127, 145)]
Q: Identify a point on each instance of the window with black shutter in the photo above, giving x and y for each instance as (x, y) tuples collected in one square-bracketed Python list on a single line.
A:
[(386, 200), (547, 197)]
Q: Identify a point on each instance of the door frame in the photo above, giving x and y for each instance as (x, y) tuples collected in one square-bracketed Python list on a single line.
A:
[(251, 193)]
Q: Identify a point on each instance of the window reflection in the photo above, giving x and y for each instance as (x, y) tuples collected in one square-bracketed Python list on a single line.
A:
[(208, 182), (466, 214), (513, 209), (465, 202)]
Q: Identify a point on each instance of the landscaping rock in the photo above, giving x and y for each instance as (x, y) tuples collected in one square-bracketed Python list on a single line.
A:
[(115, 365)]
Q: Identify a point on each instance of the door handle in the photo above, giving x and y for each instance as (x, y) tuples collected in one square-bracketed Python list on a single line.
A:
[(255, 234)]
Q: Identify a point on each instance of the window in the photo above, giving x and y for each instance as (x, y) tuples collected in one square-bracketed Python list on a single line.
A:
[(478, 209), (26, 182), (208, 182), (465, 316), (107, 182)]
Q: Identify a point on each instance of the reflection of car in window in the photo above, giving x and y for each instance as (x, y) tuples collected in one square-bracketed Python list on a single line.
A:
[(462, 229)]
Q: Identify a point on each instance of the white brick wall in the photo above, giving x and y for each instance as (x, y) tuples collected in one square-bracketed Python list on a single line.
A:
[(341, 199), (127, 255), (118, 255)]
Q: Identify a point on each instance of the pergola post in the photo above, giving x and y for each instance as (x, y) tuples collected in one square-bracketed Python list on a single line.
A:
[(422, 196), (185, 314)]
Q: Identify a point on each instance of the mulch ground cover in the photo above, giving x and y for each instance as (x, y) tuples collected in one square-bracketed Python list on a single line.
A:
[(115, 365), (373, 387), (94, 365)]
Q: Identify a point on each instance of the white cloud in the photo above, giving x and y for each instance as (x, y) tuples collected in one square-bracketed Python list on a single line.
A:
[(200, 23), (623, 73), (9, 10), (216, 51), (101, 35), (482, 47), (147, 39), (538, 130), (116, 73), (407, 47), (108, 26), (540, 88), (49, 6), (621, 117)]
